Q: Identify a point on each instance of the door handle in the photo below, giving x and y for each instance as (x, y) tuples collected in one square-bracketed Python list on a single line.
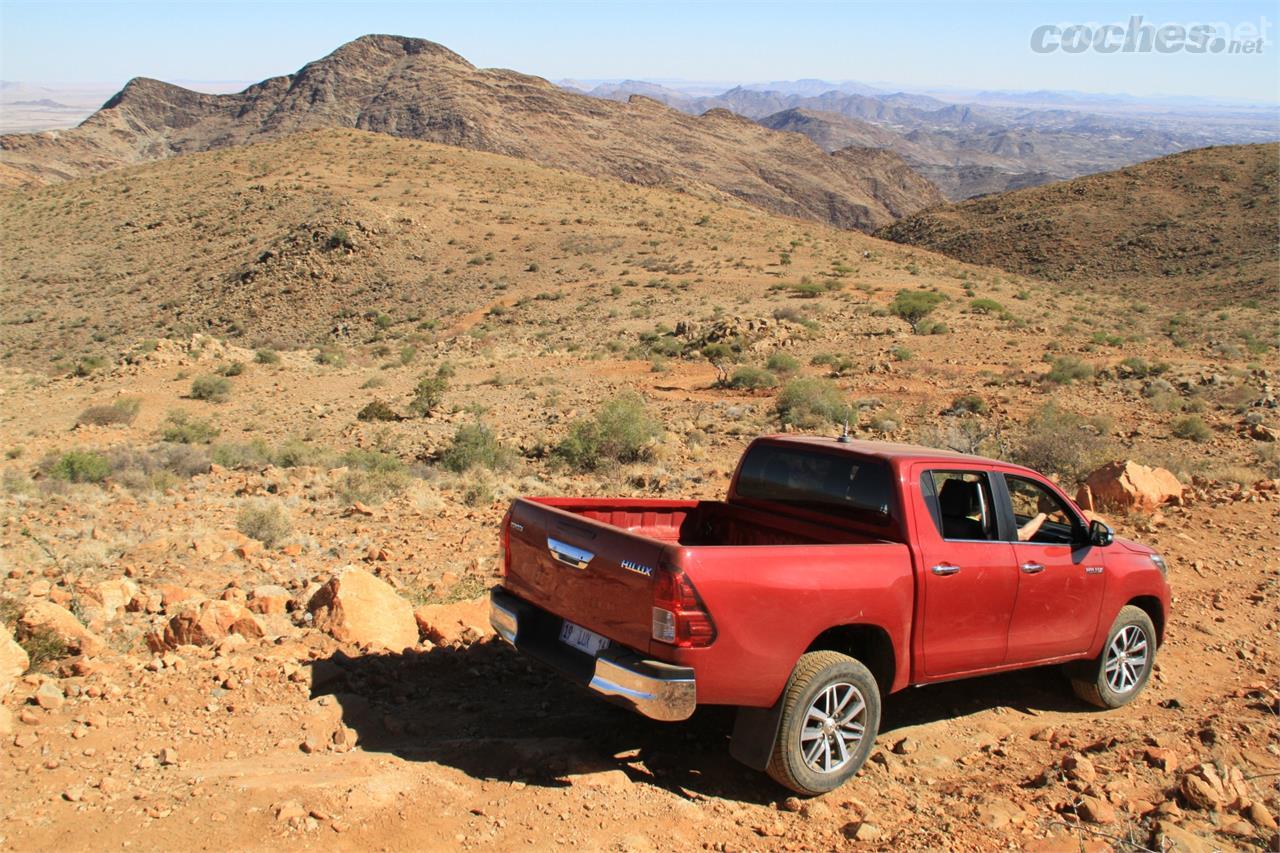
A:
[(568, 554), (945, 569), (1032, 568)]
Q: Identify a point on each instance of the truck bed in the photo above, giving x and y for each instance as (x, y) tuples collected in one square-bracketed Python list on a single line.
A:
[(706, 523)]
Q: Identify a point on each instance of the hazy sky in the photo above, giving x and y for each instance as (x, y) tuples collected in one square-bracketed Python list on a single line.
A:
[(916, 44)]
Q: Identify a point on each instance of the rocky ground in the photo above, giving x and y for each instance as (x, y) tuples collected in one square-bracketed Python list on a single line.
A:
[(190, 685)]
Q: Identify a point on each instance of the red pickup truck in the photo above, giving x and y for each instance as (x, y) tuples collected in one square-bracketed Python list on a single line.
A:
[(835, 572)]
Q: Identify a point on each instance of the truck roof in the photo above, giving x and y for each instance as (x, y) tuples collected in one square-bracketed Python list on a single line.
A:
[(887, 450)]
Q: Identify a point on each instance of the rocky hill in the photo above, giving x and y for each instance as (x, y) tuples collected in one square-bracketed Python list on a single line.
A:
[(1201, 222), (420, 90)]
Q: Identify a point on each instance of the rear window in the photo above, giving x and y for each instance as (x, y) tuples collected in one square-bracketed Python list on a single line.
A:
[(831, 483)]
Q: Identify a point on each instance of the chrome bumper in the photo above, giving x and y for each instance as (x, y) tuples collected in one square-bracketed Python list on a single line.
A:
[(658, 690)]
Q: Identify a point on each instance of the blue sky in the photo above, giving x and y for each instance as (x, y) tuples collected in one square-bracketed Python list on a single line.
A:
[(914, 44)]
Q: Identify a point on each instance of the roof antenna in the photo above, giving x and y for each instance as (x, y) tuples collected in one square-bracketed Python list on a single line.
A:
[(845, 438)]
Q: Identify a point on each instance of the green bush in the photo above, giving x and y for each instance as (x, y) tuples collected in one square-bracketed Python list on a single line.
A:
[(1066, 369), (810, 403), (181, 428), (212, 388), (914, 305), (1056, 441), (781, 362), (428, 394), (377, 410), (265, 520), (474, 446), (752, 379), (970, 403), (622, 430), (331, 357), (266, 356), (295, 452), (1193, 428), (43, 646), (80, 466), (119, 412), (901, 353), (234, 368), (254, 454), (982, 305)]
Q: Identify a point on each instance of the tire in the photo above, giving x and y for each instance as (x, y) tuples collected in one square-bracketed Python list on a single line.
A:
[(812, 759), (1131, 635)]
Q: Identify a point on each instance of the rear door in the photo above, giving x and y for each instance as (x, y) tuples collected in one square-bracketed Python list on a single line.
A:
[(1061, 577), (969, 582), (590, 573)]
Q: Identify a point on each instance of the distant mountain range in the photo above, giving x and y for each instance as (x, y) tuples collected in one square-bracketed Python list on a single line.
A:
[(421, 90), (990, 141)]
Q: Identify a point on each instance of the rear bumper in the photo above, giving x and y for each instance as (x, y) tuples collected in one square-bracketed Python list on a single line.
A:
[(658, 690)]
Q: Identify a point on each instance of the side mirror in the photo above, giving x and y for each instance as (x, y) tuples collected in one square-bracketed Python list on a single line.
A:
[(1100, 534)]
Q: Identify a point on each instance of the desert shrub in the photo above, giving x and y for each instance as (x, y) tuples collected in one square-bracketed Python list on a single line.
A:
[(265, 520), (622, 430), (157, 467), (983, 305), (781, 362), (752, 379), (885, 423), (331, 357), (428, 394), (181, 428), (252, 454), (811, 403), (475, 446), (266, 356), (970, 403), (340, 238), (79, 466), (212, 388), (87, 365), (914, 305), (234, 368), (838, 364), (1193, 428), (1056, 441), (119, 412), (1066, 369), (377, 410), (43, 646), (295, 452), (901, 353), (371, 486), (479, 492)]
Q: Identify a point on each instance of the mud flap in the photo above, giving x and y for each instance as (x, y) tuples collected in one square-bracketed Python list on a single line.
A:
[(754, 732)]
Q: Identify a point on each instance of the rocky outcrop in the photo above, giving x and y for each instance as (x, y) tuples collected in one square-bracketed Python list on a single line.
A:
[(356, 607), (1128, 485)]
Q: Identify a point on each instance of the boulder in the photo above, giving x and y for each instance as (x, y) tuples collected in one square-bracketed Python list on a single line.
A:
[(13, 662), (446, 624), (112, 596), (269, 599), (208, 622), (1128, 485), (47, 617), (356, 607)]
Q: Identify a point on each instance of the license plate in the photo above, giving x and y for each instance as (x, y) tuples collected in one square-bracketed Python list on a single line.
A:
[(582, 639)]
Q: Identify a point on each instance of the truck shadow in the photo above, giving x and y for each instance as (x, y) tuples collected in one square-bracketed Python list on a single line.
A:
[(490, 713)]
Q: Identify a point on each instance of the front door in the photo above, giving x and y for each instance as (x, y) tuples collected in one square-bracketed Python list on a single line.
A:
[(970, 582), (1060, 576)]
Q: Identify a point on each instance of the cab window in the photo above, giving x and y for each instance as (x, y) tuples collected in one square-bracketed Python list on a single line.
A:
[(1039, 514), (960, 503)]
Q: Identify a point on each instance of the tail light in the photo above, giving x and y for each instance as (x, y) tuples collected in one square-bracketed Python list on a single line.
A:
[(679, 616), (504, 544)]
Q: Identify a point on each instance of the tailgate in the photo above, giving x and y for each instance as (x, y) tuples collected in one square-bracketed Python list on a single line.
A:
[(585, 571)]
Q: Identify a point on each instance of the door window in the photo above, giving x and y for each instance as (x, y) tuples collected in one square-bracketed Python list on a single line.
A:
[(961, 506), (1039, 514)]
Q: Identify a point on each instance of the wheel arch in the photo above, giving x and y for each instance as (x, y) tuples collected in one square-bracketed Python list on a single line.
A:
[(1150, 605), (863, 642)]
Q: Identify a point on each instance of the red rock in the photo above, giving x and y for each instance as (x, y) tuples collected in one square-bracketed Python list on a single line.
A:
[(248, 549), (13, 662), (1128, 485), (377, 554), (291, 550), (49, 696), (354, 606), (1165, 759), (1199, 793), (45, 616), (1079, 767), (171, 595), (1095, 810), (358, 508), (446, 624), (269, 599), (208, 622)]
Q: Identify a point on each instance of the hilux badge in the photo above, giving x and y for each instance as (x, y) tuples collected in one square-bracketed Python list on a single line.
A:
[(647, 571)]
